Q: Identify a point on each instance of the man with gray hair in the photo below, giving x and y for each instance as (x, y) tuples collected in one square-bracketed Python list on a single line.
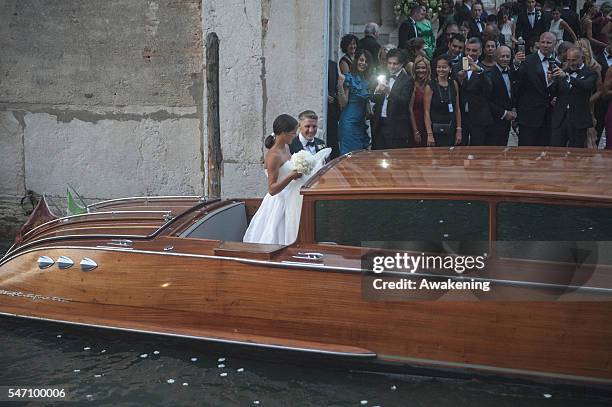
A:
[(573, 87), (370, 42)]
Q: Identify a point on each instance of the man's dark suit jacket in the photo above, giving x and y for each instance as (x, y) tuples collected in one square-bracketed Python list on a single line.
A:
[(475, 91), (529, 34), (532, 94), (576, 95), (571, 18), (370, 44), (474, 31), (296, 145), (398, 110), (464, 13), (406, 32), (601, 59), (499, 100)]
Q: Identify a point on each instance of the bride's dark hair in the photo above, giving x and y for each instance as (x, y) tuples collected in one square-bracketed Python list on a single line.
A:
[(282, 124)]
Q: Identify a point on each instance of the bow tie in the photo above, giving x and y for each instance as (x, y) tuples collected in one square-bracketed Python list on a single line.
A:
[(394, 77), (531, 14), (311, 143), (505, 72), (571, 71)]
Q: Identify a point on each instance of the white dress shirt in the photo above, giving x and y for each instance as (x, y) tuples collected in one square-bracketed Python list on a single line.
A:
[(544, 61), (311, 149), (383, 111)]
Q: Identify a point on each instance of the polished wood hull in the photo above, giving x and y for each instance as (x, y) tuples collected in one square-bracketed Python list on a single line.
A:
[(253, 302)]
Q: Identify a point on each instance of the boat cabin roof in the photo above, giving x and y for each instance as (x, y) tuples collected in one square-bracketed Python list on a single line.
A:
[(526, 171)]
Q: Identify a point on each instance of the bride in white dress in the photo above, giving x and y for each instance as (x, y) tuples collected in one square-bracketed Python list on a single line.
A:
[(278, 218)]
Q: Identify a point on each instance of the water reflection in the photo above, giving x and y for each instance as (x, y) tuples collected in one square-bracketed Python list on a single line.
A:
[(111, 368)]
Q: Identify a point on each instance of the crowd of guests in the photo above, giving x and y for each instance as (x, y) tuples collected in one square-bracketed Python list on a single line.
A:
[(539, 69)]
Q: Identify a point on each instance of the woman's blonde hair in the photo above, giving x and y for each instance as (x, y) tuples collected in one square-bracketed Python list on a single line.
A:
[(420, 58), (587, 52)]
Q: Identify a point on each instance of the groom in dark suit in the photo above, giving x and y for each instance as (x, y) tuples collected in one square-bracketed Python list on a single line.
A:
[(391, 121), (306, 140)]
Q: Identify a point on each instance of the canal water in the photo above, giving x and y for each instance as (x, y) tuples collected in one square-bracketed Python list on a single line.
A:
[(109, 368)]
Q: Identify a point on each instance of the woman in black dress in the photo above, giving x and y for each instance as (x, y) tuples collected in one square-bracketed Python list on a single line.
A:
[(441, 103), (348, 45)]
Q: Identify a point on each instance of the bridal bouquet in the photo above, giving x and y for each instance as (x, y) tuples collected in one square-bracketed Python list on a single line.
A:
[(303, 162)]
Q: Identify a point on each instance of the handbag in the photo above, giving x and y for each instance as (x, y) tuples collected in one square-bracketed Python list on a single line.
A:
[(441, 128)]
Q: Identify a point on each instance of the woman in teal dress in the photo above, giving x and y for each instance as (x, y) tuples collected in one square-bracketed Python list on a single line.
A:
[(354, 96)]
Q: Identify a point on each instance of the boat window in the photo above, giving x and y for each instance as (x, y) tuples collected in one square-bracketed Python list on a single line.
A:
[(550, 232), (412, 224), (227, 223)]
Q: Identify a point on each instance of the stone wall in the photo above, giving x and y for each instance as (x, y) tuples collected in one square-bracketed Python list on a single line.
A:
[(109, 97), (105, 96)]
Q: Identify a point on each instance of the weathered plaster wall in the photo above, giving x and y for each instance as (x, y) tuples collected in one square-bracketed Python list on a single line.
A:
[(110, 97), (106, 96)]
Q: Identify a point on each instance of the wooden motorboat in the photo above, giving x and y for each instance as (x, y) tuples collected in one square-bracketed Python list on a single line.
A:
[(177, 266)]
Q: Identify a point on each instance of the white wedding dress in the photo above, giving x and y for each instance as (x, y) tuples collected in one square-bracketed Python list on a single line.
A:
[(278, 218)]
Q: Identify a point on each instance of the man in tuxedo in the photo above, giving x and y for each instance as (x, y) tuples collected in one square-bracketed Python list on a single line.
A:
[(474, 89), (573, 88), (391, 121), (444, 41), (464, 13), (477, 26), (370, 43), (500, 99), (455, 51), (571, 18), (531, 23), (408, 29), (306, 140), (533, 97)]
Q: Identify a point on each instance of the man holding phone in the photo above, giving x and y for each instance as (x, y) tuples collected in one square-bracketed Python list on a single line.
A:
[(474, 89), (391, 121), (573, 88), (534, 77)]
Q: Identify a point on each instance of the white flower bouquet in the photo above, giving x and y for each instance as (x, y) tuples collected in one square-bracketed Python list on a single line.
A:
[(303, 162)]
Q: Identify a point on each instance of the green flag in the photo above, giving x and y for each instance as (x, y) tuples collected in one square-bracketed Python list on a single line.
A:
[(73, 207)]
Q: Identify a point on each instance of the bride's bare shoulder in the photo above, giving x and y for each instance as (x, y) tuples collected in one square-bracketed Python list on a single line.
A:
[(273, 159)]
